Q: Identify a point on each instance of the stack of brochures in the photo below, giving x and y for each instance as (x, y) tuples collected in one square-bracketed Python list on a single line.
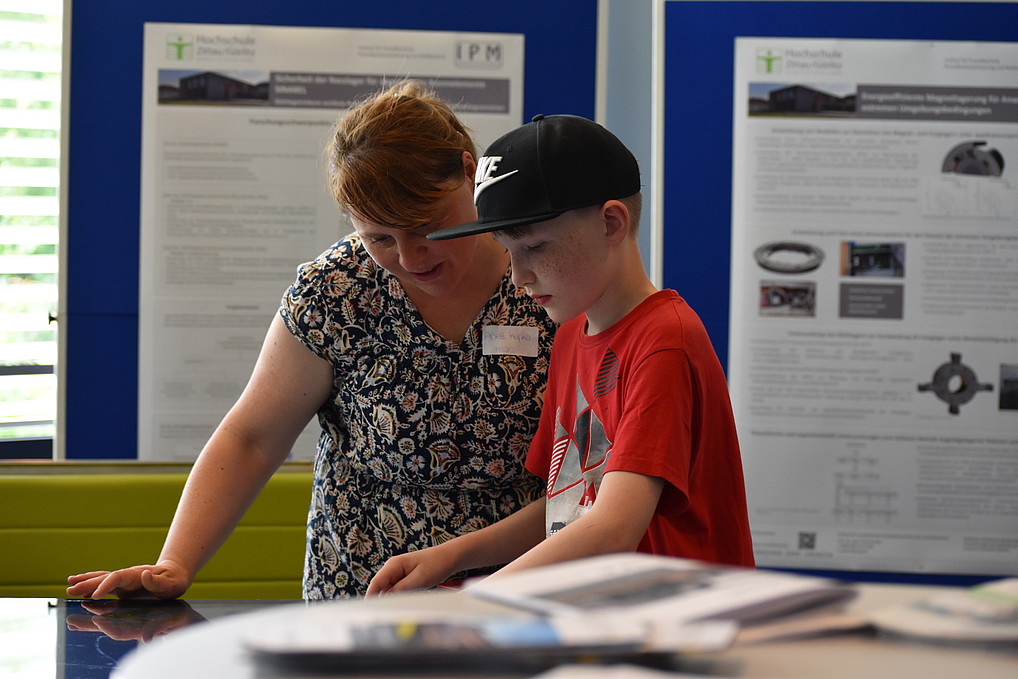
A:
[(658, 588), (621, 608), (983, 614)]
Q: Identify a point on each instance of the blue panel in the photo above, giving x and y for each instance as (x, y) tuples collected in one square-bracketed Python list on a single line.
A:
[(102, 399), (104, 159), (699, 63)]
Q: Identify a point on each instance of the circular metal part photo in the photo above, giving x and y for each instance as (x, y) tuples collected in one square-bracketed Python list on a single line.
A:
[(955, 384), (974, 157), (789, 257)]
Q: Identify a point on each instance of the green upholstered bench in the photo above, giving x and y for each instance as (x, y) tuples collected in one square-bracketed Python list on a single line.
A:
[(100, 517)]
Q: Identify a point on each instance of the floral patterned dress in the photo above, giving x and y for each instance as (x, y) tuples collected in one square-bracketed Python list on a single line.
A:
[(422, 439)]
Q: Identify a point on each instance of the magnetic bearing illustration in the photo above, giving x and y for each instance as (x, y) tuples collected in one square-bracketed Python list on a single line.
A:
[(955, 384), (805, 257), (974, 157)]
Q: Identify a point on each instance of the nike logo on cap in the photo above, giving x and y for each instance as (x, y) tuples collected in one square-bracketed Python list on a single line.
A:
[(486, 167), (481, 186)]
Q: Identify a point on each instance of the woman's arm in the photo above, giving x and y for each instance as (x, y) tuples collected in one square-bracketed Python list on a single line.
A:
[(288, 385)]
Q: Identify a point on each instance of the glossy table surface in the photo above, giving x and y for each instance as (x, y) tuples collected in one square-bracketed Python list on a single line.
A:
[(196, 639)]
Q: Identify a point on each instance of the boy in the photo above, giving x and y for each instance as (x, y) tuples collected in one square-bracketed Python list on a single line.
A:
[(637, 440)]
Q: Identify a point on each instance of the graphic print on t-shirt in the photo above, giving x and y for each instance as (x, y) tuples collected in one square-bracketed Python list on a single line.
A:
[(579, 453)]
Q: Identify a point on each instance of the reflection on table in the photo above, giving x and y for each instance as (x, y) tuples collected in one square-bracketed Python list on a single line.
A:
[(74, 639)]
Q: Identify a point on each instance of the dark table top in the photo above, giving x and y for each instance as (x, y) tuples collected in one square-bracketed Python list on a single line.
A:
[(74, 639)]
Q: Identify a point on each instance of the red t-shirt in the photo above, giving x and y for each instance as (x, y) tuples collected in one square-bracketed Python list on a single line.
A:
[(649, 396)]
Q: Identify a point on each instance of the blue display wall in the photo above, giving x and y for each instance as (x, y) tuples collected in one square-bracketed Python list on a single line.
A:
[(100, 310)]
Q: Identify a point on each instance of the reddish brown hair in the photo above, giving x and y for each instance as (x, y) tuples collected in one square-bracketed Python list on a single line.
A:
[(393, 155)]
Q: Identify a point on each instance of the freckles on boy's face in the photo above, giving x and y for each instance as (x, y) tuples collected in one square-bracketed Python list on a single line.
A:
[(558, 263)]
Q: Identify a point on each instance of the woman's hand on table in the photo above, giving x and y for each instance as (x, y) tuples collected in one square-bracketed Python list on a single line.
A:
[(165, 580)]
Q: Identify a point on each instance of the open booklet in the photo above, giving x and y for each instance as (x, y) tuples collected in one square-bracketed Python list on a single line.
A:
[(638, 586)]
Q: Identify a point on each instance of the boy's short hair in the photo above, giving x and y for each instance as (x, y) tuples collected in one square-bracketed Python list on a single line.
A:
[(549, 166), (633, 203), (395, 153)]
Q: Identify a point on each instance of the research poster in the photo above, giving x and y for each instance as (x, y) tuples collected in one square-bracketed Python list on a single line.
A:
[(874, 303), (233, 198)]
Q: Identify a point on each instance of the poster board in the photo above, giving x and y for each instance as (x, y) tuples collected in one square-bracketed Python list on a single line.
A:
[(234, 196), (859, 492)]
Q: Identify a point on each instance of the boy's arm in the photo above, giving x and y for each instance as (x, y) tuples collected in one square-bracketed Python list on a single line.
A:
[(616, 522), (496, 544)]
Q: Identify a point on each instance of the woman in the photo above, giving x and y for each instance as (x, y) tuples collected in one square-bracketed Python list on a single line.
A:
[(392, 340)]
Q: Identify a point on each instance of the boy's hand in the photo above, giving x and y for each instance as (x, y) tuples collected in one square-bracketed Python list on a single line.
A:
[(165, 580), (414, 570), (493, 545)]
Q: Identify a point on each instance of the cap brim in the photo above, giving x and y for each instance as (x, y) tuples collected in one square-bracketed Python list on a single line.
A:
[(474, 228)]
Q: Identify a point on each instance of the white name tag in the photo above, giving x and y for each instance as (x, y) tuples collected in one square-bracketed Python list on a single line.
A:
[(519, 340)]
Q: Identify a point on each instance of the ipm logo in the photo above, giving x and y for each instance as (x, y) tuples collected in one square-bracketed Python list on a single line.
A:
[(479, 54), (179, 46), (768, 60)]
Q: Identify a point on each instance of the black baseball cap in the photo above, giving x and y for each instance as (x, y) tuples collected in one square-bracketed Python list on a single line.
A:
[(551, 165)]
